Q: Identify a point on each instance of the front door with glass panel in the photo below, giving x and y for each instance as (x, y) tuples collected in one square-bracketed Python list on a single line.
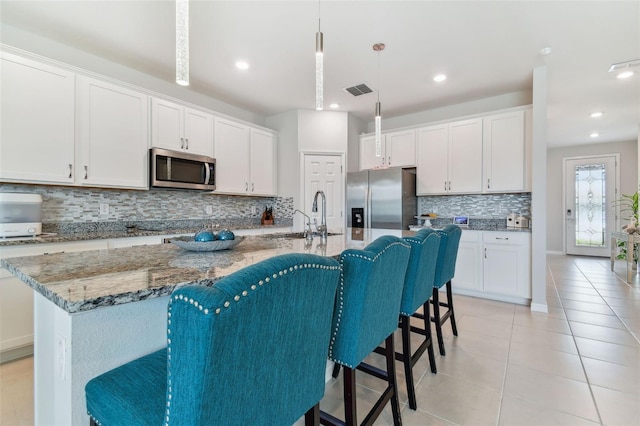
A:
[(590, 191)]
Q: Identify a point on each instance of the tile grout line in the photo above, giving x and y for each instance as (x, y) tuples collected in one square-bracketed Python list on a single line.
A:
[(573, 337), (506, 369)]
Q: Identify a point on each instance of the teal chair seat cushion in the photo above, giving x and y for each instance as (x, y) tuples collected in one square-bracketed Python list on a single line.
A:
[(116, 397)]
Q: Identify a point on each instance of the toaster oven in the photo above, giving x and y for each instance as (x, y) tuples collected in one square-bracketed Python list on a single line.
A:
[(20, 214)]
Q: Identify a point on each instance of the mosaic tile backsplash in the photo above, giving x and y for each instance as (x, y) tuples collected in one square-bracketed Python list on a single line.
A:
[(489, 206), (67, 207)]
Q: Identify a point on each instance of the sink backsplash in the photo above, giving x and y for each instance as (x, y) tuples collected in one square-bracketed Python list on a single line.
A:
[(64, 205), (489, 206)]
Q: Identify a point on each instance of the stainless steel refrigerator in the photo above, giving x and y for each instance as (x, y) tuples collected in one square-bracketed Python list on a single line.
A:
[(383, 198)]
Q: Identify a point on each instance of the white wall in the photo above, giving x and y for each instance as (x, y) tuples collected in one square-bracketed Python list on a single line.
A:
[(322, 131), (16, 38), (478, 106), (628, 181), (356, 128)]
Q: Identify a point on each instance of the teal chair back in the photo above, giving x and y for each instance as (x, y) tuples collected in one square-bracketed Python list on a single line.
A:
[(449, 242), (368, 300), (250, 350), (253, 348), (419, 280)]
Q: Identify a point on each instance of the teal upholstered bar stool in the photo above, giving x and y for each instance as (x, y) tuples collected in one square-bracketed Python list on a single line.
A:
[(250, 350), (366, 314), (445, 270), (418, 289)]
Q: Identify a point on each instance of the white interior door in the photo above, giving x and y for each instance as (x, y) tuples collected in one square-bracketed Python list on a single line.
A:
[(324, 173), (590, 190)]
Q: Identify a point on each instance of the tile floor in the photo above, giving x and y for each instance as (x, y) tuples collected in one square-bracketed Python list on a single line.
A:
[(579, 364)]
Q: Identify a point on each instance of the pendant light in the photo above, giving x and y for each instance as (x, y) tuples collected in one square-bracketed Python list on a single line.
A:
[(182, 42), (378, 47), (319, 66)]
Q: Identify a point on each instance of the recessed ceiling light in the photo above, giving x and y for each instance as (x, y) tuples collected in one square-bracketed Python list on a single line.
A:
[(242, 65), (439, 78), (334, 106), (596, 114), (594, 135), (625, 74)]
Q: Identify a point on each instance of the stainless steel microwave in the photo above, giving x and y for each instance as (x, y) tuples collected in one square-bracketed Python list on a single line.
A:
[(180, 170)]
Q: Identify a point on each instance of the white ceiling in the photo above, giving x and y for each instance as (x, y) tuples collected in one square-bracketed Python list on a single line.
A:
[(486, 48)]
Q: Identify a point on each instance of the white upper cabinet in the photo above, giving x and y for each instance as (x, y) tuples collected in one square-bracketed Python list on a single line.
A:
[(180, 128), (245, 159), (37, 128), (465, 156), (504, 152), (398, 149), (263, 163), (113, 145), (433, 153), (232, 156), (450, 158)]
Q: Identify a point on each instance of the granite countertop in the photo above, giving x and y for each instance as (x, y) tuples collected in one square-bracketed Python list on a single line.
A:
[(88, 280)]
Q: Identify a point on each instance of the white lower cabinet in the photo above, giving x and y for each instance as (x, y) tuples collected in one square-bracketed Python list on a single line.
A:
[(494, 265), (16, 297)]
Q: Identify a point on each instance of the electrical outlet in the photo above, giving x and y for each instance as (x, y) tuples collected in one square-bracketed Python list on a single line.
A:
[(254, 210), (104, 209), (208, 210)]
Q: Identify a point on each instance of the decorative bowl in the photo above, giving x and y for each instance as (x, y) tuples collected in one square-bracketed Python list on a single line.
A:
[(188, 243)]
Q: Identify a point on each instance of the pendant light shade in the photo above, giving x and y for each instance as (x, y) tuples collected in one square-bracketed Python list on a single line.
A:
[(319, 69), (378, 47), (182, 42), (378, 126)]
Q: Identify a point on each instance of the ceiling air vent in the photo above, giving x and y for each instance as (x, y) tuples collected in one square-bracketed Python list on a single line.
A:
[(360, 89)]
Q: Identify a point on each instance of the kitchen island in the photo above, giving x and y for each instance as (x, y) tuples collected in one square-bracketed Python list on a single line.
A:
[(98, 309)]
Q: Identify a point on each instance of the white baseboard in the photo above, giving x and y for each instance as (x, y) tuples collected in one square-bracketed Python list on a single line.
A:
[(539, 307)]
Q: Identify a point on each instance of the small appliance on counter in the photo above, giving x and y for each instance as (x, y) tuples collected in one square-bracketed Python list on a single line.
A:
[(516, 221), (20, 214)]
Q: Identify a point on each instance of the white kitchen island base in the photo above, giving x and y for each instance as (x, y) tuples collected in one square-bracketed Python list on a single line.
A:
[(71, 349)]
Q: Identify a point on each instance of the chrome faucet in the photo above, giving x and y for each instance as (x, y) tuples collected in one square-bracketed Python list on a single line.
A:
[(322, 229), (308, 233)]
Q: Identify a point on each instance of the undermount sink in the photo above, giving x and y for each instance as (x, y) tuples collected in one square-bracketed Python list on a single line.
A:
[(295, 235)]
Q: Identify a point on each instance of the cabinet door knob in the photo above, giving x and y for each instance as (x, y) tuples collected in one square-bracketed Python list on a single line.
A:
[(70, 171), (181, 143), (86, 172)]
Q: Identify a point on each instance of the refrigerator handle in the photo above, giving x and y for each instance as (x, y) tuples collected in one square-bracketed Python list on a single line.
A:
[(367, 203)]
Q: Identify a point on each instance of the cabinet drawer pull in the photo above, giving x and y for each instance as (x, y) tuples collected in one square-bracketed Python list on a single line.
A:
[(502, 238), (55, 252), (86, 172), (70, 170)]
